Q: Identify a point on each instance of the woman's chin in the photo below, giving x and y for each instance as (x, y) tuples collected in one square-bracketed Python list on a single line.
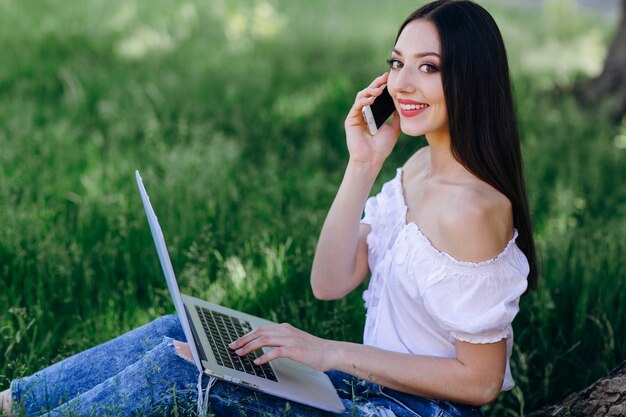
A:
[(411, 130)]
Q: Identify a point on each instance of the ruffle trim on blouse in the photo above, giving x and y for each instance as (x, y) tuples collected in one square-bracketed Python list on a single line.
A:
[(371, 296), (491, 337), (445, 257), (386, 218)]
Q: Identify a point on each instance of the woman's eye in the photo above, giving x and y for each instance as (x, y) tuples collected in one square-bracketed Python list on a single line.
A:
[(394, 63), (428, 68)]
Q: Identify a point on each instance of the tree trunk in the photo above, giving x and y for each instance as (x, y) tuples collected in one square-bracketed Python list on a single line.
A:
[(608, 90), (604, 398)]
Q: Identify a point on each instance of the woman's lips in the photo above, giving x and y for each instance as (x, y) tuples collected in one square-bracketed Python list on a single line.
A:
[(410, 108)]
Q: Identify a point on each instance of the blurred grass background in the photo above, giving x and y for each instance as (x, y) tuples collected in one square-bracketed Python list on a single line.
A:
[(233, 112)]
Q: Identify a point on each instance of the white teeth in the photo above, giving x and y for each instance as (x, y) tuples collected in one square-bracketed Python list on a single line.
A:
[(413, 106)]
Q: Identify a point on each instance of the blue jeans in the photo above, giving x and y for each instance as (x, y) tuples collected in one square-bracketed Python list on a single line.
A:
[(140, 374)]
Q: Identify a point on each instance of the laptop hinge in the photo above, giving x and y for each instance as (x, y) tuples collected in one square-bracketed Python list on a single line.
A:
[(196, 340)]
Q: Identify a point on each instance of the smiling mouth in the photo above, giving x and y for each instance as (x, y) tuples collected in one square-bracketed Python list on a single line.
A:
[(410, 107)]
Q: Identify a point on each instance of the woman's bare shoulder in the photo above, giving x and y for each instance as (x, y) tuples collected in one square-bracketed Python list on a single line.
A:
[(477, 223)]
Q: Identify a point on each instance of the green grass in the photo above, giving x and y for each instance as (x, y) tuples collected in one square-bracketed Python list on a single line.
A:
[(233, 112)]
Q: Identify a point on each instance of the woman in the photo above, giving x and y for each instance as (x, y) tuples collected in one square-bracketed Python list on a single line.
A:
[(447, 242)]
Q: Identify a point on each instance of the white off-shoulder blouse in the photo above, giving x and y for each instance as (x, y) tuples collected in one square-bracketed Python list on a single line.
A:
[(420, 300)]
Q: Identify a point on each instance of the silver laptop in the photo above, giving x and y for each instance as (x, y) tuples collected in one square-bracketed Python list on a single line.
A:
[(209, 328)]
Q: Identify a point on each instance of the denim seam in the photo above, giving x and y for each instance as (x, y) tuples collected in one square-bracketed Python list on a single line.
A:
[(400, 403), (370, 409)]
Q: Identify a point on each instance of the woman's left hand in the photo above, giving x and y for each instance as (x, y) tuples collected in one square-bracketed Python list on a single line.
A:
[(288, 342)]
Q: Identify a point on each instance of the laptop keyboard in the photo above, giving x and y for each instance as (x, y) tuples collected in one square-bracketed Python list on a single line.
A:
[(221, 330)]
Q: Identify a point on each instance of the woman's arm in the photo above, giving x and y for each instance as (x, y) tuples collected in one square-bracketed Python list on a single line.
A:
[(340, 262), (474, 377)]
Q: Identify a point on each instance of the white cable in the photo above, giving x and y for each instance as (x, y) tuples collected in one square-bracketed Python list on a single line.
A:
[(203, 398)]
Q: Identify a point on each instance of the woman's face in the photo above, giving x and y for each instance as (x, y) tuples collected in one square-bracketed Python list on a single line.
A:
[(415, 80)]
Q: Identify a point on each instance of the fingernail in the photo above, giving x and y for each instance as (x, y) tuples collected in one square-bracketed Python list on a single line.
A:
[(232, 345), (256, 361), (239, 351)]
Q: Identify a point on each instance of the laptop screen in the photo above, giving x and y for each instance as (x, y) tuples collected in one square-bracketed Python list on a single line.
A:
[(168, 271)]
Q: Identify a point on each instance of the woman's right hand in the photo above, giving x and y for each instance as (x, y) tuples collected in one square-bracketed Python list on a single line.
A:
[(363, 147)]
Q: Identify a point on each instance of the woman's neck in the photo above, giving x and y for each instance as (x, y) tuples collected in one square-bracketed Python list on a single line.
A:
[(442, 163)]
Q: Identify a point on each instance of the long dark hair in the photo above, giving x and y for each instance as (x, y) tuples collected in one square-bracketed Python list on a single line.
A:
[(479, 100)]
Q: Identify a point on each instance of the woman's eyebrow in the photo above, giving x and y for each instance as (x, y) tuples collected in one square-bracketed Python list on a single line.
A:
[(419, 54)]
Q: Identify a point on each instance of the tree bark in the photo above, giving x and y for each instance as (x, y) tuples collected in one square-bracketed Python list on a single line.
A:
[(604, 398), (608, 90)]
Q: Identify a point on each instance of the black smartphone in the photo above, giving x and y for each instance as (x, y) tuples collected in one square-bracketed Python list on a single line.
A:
[(379, 111)]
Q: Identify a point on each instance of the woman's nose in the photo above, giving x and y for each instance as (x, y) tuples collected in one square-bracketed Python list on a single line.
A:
[(404, 81)]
